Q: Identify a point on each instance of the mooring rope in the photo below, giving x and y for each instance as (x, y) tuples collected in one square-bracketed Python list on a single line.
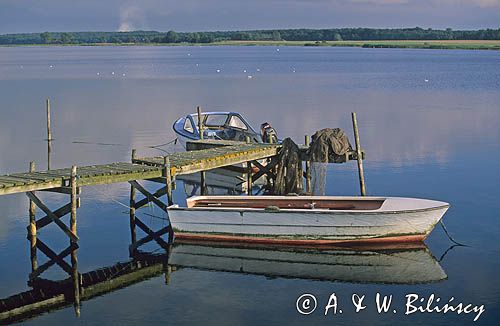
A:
[(450, 237), (157, 147)]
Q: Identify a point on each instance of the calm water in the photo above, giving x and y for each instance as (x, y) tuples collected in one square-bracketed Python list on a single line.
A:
[(428, 121)]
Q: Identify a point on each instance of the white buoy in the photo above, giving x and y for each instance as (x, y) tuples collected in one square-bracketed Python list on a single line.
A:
[(249, 76), (123, 75), (218, 70), (426, 80), (258, 69), (112, 72), (98, 74), (244, 70)]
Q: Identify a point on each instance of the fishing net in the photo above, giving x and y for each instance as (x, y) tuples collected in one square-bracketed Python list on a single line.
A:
[(318, 178), (329, 146), (289, 170)]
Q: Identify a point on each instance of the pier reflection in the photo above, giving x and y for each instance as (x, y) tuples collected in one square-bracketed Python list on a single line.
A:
[(48, 295), (381, 264)]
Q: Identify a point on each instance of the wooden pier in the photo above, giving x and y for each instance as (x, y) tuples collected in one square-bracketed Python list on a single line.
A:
[(148, 168)]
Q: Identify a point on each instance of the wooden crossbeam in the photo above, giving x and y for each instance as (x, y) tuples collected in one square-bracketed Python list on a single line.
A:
[(160, 192), (52, 216), (151, 235), (54, 259), (58, 213), (148, 195), (265, 169)]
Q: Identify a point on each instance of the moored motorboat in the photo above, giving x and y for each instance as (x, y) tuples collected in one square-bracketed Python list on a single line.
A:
[(215, 125), (306, 219)]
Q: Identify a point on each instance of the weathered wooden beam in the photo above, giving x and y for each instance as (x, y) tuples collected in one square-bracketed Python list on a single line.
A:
[(60, 212), (160, 192), (149, 195), (52, 216), (133, 234), (32, 228), (308, 166), (168, 180), (249, 178), (359, 155)]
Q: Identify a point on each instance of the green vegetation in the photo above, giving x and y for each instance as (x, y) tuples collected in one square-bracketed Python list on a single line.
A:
[(364, 37)]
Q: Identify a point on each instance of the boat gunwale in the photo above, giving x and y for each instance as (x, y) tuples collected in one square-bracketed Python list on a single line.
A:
[(305, 210)]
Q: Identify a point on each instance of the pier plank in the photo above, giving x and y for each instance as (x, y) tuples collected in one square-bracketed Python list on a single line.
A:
[(210, 155)]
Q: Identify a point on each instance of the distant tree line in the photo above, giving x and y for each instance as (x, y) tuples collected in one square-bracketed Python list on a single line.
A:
[(336, 34)]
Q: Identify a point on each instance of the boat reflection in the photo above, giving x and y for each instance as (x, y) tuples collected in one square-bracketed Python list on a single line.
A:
[(220, 182), (394, 264)]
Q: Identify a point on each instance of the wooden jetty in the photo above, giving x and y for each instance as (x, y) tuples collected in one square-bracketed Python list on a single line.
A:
[(163, 170)]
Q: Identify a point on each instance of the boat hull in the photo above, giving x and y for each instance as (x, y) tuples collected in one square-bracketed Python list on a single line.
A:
[(301, 226)]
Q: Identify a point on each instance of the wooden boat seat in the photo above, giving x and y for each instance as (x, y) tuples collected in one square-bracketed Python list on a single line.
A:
[(295, 203)]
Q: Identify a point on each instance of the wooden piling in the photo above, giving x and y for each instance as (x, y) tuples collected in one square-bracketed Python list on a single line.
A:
[(32, 229), (49, 154), (249, 178), (74, 259), (247, 139), (203, 186), (133, 234), (359, 155), (308, 166), (168, 179), (49, 131)]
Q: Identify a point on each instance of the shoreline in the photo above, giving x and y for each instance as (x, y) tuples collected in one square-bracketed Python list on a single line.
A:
[(399, 44)]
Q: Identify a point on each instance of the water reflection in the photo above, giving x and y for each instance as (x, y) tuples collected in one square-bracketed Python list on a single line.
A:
[(49, 295), (395, 264), (381, 264)]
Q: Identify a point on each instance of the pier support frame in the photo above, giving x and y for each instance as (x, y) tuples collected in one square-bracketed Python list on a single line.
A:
[(55, 216), (167, 181)]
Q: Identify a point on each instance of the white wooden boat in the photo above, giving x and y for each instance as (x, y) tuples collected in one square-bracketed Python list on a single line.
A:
[(306, 219), (397, 264)]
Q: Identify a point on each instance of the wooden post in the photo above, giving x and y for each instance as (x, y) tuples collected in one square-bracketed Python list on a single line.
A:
[(270, 139), (249, 178), (49, 131), (49, 153), (74, 259), (133, 235), (168, 179), (200, 122), (359, 155), (247, 140), (32, 229), (203, 187), (308, 166)]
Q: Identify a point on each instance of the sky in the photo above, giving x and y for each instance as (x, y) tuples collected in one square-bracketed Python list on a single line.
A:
[(19, 16)]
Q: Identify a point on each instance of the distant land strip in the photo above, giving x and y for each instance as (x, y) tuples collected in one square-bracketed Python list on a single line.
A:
[(487, 39)]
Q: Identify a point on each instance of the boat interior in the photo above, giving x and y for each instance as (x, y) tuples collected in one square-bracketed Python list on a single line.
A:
[(292, 203)]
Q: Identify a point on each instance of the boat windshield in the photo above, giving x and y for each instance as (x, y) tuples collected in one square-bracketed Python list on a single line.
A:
[(216, 120)]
